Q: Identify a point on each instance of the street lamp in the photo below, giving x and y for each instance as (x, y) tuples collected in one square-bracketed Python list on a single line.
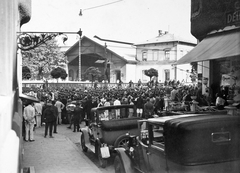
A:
[(79, 64)]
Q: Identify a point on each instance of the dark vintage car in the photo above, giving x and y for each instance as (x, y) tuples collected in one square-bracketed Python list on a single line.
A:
[(108, 129), (196, 143)]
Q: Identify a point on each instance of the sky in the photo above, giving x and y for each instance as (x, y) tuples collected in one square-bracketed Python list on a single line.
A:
[(122, 20)]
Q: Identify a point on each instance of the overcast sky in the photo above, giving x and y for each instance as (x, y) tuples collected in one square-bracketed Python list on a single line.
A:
[(124, 20)]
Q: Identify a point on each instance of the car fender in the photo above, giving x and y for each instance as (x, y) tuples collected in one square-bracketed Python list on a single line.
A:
[(127, 163), (86, 135)]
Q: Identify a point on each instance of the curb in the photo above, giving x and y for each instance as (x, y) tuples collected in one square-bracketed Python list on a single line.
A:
[(84, 156)]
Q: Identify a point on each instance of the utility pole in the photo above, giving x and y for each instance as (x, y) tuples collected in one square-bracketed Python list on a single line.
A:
[(80, 59), (105, 64)]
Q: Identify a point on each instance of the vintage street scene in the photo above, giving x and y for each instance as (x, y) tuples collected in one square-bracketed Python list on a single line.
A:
[(120, 86)]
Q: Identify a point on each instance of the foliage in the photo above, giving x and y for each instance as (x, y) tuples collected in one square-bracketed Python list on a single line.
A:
[(58, 73), (43, 59), (151, 72), (193, 90), (93, 72), (26, 73)]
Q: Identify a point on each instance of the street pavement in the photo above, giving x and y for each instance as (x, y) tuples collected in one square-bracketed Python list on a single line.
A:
[(57, 155)]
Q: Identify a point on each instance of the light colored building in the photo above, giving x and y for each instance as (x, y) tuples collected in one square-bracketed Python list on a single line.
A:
[(128, 62), (161, 53)]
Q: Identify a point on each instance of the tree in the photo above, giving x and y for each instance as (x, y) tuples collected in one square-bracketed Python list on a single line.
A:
[(43, 59), (26, 73), (58, 72), (93, 72), (151, 72)]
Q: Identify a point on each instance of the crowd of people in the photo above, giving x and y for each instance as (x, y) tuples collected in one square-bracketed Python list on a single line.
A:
[(73, 105)]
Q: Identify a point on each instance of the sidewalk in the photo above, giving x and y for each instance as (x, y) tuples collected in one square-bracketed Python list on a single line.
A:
[(58, 154)]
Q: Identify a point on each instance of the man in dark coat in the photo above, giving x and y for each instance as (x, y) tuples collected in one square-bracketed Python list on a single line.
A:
[(148, 109), (77, 116), (139, 103), (50, 116)]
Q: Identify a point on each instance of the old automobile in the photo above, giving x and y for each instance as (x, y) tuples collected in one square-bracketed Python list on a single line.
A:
[(107, 130), (194, 143)]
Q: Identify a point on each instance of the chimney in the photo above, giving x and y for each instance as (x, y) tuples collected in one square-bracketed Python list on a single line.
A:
[(160, 33)]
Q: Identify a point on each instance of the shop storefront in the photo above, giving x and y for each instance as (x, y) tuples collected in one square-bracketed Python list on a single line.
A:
[(216, 24), (222, 52)]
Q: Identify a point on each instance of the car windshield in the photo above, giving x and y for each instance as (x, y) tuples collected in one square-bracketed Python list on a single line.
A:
[(113, 113)]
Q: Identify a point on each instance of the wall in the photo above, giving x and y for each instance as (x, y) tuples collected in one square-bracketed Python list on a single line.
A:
[(131, 73), (210, 15), (13, 14)]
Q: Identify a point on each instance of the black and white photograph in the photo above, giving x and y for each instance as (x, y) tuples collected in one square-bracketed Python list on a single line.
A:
[(120, 86)]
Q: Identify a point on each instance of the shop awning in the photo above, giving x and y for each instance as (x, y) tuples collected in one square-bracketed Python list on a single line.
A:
[(221, 45)]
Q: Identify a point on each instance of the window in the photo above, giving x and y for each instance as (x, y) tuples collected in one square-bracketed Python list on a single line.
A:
[(167, 74), (155, 55), (156, 135), (167, 54), (144, 56)]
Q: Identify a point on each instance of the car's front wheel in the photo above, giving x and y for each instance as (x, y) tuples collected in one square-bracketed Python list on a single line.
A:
[(118, 165)]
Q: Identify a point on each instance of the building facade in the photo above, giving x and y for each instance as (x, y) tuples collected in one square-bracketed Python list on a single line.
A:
[(125, 63), (93, 54), (14, 13), (161, 53)]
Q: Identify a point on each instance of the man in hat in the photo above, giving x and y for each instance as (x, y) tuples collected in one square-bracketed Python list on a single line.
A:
[(50, 116), (60, 107), (29, 117), (77, 116)]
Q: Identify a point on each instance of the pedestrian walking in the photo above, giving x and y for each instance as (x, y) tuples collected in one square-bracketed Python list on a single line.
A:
[(117, 111), (60, 107), (38, 111), (139, 102), (29, 118), (50, 116), (77, 116), (148, 109), (70, 108), (56, 113)]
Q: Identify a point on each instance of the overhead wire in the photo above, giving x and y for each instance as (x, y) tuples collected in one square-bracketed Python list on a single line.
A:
[(81, 10)]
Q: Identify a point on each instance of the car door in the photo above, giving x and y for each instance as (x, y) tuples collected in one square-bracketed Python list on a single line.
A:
[(156, 153)]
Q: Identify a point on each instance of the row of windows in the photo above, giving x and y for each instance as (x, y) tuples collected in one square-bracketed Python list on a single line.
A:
[(156, 56)]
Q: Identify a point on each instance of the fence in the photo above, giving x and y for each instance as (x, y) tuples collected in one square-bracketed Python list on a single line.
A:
[(78, 85)]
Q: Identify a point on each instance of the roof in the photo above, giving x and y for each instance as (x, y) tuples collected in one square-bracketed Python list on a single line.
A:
[(126, 53), (166, 38), (162, 120)]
